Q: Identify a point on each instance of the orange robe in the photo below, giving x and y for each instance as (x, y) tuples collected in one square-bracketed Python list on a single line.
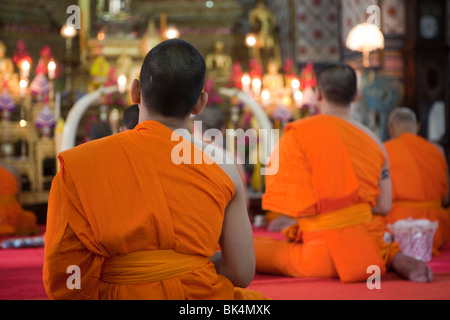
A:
[(13, 219), (327, 179), (419, 183), (121, 200)]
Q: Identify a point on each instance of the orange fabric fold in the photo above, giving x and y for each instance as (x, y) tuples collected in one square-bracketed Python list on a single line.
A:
[(328, 182), (419, 183)]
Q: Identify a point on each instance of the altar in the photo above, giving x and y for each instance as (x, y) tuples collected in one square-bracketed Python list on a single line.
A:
[(261, 56)]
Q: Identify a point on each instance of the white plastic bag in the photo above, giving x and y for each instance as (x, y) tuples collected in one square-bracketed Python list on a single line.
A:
[(415, 237)]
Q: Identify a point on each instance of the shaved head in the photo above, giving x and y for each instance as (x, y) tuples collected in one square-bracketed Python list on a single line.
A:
[(172, 78), (402, 120), (338, 82)]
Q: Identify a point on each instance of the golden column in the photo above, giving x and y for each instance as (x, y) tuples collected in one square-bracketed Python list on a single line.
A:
[(85, 31)]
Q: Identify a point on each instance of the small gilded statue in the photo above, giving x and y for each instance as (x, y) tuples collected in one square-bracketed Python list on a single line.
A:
[(263, 23), (219, 64)]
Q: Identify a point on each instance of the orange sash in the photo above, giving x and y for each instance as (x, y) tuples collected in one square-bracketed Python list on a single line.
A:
[(347, 217), (149, 266)]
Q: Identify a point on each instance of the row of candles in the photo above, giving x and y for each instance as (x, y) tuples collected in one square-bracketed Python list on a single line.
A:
[(24, 82), (23, 85), (25, 73), (254, 87)]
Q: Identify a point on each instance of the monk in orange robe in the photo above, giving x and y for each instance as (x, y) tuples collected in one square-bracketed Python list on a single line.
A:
[(14, 220), (333, 178), (419, 176), (128, 220)]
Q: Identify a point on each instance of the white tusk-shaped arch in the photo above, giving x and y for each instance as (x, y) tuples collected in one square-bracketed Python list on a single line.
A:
[(76, 113), (257, 111)]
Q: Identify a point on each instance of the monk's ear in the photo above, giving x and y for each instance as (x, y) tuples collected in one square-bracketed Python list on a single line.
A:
[(391, 129), (418, 128), (319, 94), (136, 91), (201, 103)]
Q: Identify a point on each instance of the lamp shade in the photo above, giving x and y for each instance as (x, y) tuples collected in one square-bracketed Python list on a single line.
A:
[(365, 37)]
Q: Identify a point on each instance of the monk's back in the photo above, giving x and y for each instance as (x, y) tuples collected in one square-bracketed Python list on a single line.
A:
[(345, 161), (418, 169), (366, 157), (8, 183), (185, 201), (135, 198)]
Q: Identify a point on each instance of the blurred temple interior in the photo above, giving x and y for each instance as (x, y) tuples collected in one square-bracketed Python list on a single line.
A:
[(54, 54)]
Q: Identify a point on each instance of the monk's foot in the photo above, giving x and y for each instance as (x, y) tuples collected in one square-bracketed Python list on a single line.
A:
[(412, 269)]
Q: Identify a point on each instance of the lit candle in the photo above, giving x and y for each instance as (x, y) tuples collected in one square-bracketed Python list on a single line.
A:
[(246, 83), (295, 85), (298, 97), (265, 95), (25, 69), (256, 84), (250, 40), (23, 87), (101, 35), (51, 70), (23, 147), (122, 83)]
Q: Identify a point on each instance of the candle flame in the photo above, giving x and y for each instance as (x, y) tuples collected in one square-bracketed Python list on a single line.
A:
[(51, 65)]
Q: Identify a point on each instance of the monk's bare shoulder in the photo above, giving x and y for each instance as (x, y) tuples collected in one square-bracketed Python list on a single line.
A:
[(371, 134), (230, 168), (225, 162), (439, 147)]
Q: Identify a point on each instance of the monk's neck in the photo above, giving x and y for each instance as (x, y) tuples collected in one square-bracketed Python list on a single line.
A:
[(171, 123), (338, 111)]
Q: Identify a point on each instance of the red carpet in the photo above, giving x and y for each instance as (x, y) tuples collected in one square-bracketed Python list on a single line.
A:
[(21, 279)]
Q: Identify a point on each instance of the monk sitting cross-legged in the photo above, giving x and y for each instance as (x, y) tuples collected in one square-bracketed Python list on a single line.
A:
[(333, 178), (419, 176), (140, 225), (14, 220)]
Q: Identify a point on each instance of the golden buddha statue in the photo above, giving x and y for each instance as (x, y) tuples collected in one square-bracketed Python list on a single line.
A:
[(218, 64), (273, 81), (6, 64), (124, 65), (99, 71), (263, 23)]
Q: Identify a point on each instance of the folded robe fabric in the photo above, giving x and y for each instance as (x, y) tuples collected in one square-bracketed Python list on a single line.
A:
[(123, 195), (326, 165), (419, 183)]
